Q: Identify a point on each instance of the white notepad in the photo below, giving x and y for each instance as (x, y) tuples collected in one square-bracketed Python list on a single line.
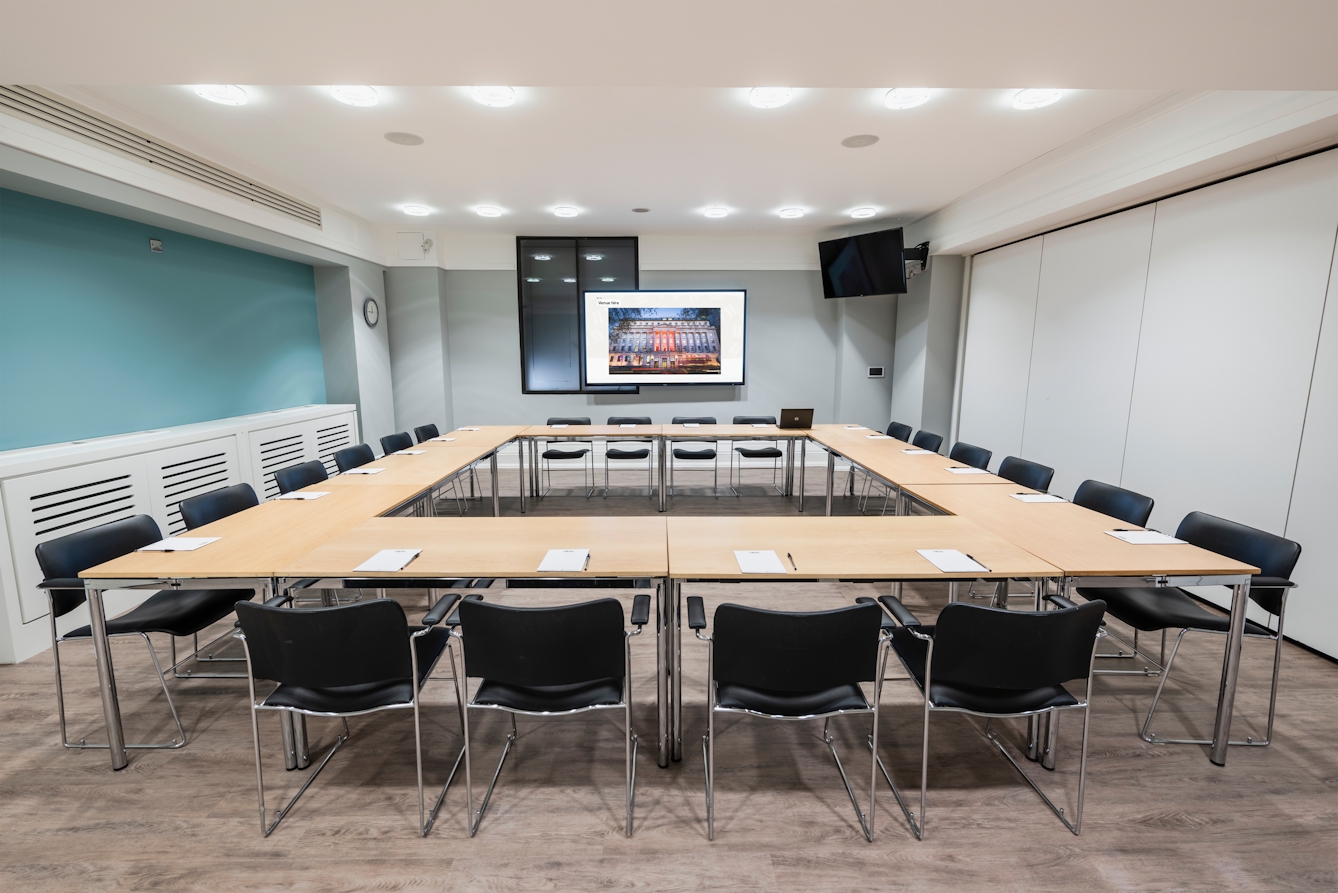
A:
[(569, 560), (442, 439), (967, 470), (364, 470), (918, 452), (410, 452), (759, 561), (627, 426), (389, 560), (558, 426), (950, 561), (854, 427), (692, 424), (179, 544), (761, 425), (878, 436), (1037, 497), (1145, 537), (472, 428), (310, 494)]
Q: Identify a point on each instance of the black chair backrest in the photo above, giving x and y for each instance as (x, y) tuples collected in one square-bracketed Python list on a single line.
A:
[(1130, 507), (574, 420), (209, 507), (694, 419), (976, 457), (357, 644), (900, 432), (393, 443), (64, 557), (563, 645), (295, 477), (426, 432), (1275, 556), (629, 420), (794, 651), (354, 456), (1027, 473), (998, 648), (754, 420), (926, 441)]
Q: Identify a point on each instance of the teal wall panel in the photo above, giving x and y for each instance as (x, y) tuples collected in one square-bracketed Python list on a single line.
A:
[(99, 335)]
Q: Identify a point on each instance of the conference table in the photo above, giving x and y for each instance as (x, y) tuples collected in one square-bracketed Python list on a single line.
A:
[(281, 541)]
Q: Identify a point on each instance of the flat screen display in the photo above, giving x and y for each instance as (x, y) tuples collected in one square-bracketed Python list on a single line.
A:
[(858, 266), (664, 337)]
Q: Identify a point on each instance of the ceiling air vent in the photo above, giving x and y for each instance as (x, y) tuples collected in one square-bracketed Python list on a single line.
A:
[(77, 122)]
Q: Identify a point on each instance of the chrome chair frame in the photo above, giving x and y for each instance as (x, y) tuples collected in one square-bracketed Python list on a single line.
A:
[(650, 464), (715, 465), (473, 819), (775, 467), (587, 458), (426, 819)]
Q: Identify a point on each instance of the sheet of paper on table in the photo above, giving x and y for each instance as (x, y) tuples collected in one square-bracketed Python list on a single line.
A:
[(759, 561), (179, 544), (308, 494), (565, 560), (1145, 537), (389, 560), (950, 561)]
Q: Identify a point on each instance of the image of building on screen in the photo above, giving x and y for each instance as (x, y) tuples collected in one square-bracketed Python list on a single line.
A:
[(664, 340)]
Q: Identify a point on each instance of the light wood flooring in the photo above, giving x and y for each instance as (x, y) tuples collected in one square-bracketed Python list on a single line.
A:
[(1157, 818)]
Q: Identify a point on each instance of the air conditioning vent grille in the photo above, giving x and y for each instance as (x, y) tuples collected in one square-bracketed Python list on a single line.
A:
[(276, 454), (329, 441), (75, 121), (182, 480), (109, 499)]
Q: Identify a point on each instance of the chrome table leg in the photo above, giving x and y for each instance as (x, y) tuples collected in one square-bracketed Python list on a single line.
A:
[(662, 672), (676, 667), (664, 475), (803, 456), (496, 499), (111, 707), (520, 458), (831, 479), (1226, 696)]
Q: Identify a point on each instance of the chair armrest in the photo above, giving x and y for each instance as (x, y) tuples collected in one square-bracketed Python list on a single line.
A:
[(887, 622), (641, 610), (439, 611), (696, 612), (1060, 601), (277, 601), (1261, 582), (902, 613), (454, 619), (62, 583)]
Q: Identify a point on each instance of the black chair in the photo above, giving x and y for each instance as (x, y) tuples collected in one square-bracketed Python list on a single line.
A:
[(899, 431), (295, 477), (343, 661), (997, 663), (207, 508), (1027, 474), (354, 457), (1160, 609), (574, 451), (183, 612), (1126, 505), (792, 666), (976, 457), (393, 443), (547, 662), (772, 452), (634, 454), (425, 432), (707, 454), (927, 441)]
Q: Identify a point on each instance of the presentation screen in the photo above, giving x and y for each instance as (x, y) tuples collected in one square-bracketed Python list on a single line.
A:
[(664, 337)]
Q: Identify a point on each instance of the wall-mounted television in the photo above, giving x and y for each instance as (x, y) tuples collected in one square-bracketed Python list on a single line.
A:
[(858, 266), (664, 337)]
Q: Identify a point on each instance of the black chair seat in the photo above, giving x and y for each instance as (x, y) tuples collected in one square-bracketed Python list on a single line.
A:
[(179, 613), (550, 698), (1150, 610), (626, 454), (693, 454), (565, 454), (977, 699), (757, 452), (790, 703)]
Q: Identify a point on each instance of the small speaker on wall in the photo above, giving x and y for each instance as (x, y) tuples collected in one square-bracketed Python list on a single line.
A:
[(875, 371)]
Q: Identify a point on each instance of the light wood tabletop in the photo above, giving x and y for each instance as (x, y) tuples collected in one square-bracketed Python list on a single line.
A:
[(1071, 537), (847, 548), (422, 471), (732, 432), (486, 439), (884, 457), (493, 547), (258, 541), (600, 432)]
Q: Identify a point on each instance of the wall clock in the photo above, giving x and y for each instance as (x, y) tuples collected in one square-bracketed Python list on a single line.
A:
[(371, 312)]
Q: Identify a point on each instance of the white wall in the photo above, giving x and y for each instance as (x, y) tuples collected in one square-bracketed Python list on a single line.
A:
[(927, 325), (419, 352), (356, 357), (1176, 350)]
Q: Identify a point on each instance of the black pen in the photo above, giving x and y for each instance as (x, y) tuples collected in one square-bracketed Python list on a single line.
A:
[(585, 567), (973, 558), (792, 564)]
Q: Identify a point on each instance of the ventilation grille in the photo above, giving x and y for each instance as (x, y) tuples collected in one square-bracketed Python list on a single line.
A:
[(103, 501), (329, 441), (182, 480), (278, 453), (69, 119)]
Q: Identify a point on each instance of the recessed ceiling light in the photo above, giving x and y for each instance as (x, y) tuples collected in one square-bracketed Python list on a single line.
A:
[(400, 138), (223, 94), (416, 210), (568, 280), (488, 211), (594, 257), (1035, 98), (360, 95), (861, 213), (531, 279), (716, 212), (906, 97), (790, 213), (769, 97), (542, 256), (859, 141), (497, 97), (641, 210), (606, 278), (564, 211)]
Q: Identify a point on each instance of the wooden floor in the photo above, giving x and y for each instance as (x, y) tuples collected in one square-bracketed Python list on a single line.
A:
[(1157, 818)]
